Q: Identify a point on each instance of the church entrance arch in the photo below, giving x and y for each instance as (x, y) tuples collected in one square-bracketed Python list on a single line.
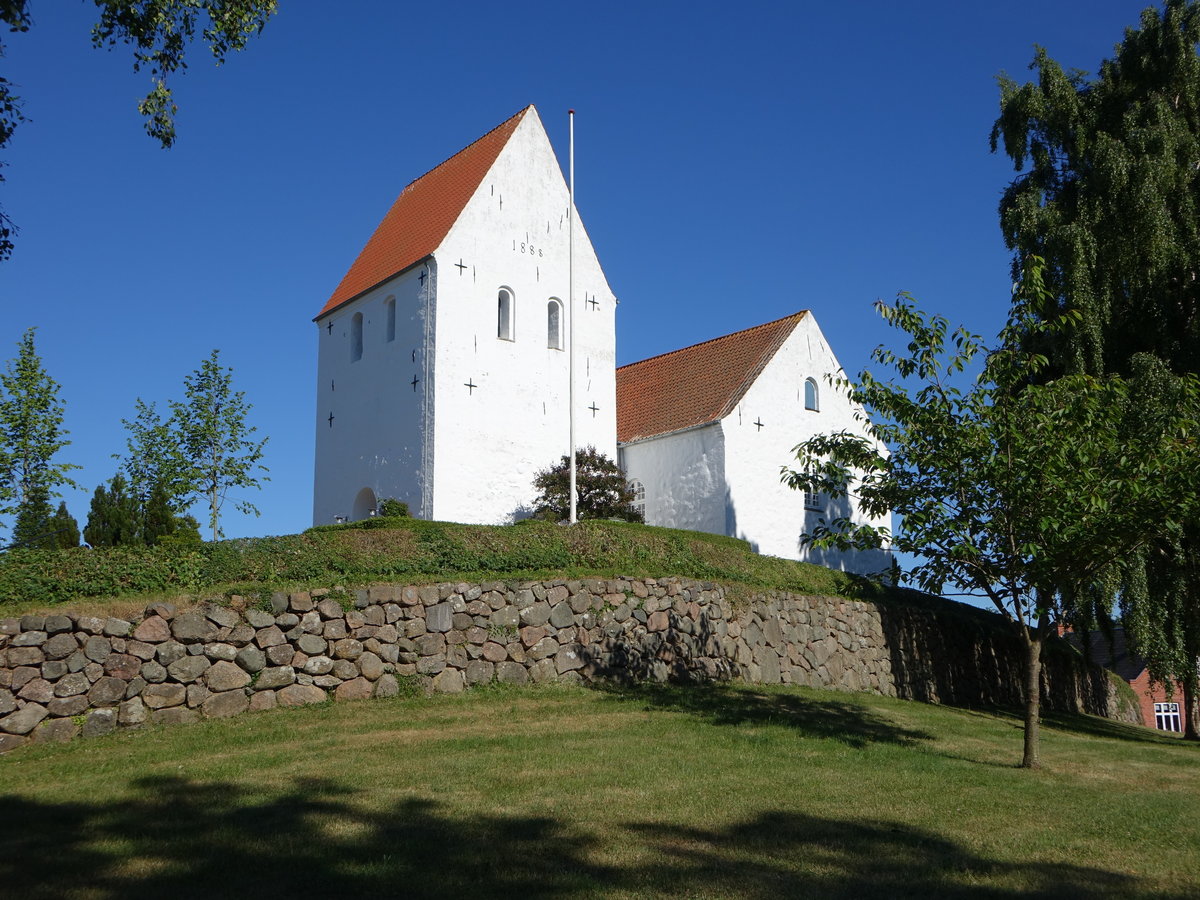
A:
[(364, 503)]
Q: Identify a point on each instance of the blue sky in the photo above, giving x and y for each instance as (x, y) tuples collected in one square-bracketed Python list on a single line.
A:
[(734, 163)]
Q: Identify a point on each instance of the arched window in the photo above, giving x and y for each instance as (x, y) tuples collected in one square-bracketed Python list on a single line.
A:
[(554, 331), (810, 395), (389, 307), (356, 337), (364, 503), (639, 496), (505, 329)]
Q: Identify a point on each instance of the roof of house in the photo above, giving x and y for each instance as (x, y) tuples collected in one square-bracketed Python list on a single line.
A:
[(422, 215), (1113, 654), (697, 384)]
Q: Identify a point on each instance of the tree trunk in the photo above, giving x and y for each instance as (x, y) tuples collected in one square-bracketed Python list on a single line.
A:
[(1033, 696), (1190, 730)]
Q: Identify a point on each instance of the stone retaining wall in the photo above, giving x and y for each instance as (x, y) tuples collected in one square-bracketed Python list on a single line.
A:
[(65, 675)]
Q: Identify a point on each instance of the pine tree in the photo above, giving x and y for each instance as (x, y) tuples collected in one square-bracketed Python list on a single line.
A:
[(66, 529), (34, 527), (113, 517)]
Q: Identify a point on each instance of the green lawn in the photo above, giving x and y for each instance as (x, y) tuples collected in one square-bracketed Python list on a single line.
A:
[(565, 792)]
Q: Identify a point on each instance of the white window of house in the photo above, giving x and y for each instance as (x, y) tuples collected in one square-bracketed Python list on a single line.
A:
[(639, 496), (389, 306), (554, 331), (810, 395), (356, 337), (814, 500), (505, 315), (1166, 717)]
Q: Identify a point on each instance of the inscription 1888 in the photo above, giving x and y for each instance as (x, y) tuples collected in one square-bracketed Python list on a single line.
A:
[(525, 247)]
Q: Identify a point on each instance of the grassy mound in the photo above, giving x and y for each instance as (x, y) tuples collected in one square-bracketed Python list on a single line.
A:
[(406, 550)]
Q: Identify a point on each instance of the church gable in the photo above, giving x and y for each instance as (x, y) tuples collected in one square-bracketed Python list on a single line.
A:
[(695, 385), (422, 216)]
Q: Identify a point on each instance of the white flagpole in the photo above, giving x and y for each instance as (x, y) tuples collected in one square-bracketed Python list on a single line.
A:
[(571, 305)]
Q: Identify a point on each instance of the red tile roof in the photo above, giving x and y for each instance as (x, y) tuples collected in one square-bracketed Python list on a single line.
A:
[(697, 384), (422, 215)]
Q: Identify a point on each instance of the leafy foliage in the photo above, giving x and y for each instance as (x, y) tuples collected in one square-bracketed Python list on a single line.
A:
[(160, 32), (1109, 194), (601, 489), (1030, 492), (31, 434), (200, 452), (154, 459), (1108, 191), (215, 439), (391, 508)]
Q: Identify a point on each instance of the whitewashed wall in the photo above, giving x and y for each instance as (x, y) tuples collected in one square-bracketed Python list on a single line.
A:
[(683, 474), (375, 439), (463, 443), (724, 477), (765, 511), (492, 438)]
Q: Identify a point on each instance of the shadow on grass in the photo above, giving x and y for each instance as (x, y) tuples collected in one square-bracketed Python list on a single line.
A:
[(171, 837), (833, 717), (1109, 728)]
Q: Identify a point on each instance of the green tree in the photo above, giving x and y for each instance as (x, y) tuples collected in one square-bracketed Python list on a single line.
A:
[(154, 459), (113, 519), (601, 489), (31, 434), (1108, 192), (66, 529), (34, 527), (1030, 493), (215, 440), (161, 522), (160, 32)]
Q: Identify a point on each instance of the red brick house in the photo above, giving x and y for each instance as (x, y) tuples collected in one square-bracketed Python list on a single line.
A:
[(1158, 710)]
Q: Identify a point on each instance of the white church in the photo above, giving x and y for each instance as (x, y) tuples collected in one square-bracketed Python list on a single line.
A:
[(442, 373)]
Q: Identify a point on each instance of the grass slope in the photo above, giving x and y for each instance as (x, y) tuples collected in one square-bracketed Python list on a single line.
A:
[(719, 791), (408, 550)]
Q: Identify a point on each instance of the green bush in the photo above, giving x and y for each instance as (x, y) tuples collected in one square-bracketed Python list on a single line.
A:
[(391, 508)]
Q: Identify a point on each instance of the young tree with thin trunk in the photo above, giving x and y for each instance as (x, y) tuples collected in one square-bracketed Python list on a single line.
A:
[(1030, 493), (216, 441), (31, 435)]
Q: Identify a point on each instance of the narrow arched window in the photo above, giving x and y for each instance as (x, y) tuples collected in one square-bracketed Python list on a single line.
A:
[(810, 395), (356, 337), (554, 333), (504, 316), (639, 496), (389, 307), (364, 504)]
